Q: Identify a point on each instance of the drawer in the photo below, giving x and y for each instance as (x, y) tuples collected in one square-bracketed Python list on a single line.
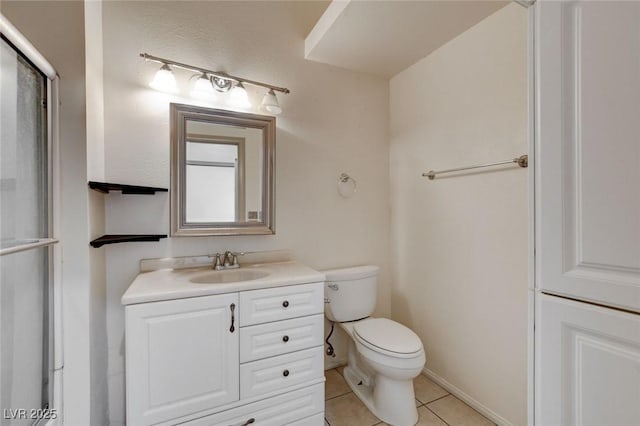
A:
[(271, 374), (280, 337), (274, 304), (301, 407)]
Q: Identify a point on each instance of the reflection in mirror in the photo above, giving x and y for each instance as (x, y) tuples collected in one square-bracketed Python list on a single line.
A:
[(222, 172)]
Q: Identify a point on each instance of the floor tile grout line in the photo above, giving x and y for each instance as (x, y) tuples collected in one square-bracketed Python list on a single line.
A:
[(433, 400), (337, 396), (435, 414), (437, 399), (441, 418)]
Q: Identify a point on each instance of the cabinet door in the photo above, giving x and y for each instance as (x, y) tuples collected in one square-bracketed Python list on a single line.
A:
[(589, 359), (182, 357), (588, 150), (587, 363)]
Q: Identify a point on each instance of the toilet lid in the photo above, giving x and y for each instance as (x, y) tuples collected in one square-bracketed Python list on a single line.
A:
[(388, 335)]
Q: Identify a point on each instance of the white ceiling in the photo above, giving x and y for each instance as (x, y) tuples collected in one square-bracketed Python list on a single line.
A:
[(385, 37)]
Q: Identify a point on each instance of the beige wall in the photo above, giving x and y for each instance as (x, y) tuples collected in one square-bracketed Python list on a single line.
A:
[(460, 243), (334, 121)]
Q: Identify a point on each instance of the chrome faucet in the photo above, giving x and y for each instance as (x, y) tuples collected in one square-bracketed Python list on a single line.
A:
[(226, 260), (229, 260)]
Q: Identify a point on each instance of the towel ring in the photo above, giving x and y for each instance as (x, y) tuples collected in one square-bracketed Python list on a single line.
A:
[(347, 185)]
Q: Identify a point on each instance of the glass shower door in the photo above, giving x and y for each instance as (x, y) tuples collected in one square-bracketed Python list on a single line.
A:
[(25, 277)]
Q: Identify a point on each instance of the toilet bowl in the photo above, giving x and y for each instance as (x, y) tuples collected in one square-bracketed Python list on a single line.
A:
[(384, 356)]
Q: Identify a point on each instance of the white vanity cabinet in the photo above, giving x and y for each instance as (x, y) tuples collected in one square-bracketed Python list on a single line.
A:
[(181, 357), (244, 357)]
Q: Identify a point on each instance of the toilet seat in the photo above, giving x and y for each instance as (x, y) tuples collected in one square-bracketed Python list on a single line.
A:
[(388, 337)]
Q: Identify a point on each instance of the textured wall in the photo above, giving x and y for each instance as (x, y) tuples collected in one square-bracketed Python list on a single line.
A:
[(460, 243)]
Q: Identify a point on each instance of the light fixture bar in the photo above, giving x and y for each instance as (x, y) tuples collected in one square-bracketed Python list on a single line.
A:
[(218, 74)]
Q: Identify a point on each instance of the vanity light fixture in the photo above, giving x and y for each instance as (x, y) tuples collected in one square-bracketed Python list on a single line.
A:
[(164, 80), (270, 103), (218, 80)]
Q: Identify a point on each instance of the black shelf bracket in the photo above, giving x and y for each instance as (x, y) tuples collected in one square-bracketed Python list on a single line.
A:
[(106, 187), (121, 238)]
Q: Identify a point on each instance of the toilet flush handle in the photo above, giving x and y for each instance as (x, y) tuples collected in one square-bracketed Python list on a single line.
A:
[(334, 287)]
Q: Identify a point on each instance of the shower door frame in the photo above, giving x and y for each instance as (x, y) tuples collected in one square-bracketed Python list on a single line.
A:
[(23, 47)]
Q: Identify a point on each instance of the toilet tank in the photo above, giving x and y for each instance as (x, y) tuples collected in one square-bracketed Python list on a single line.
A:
[(350, 292)]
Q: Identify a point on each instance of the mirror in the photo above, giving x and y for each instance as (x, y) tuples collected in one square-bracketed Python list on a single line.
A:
[(222, 172)]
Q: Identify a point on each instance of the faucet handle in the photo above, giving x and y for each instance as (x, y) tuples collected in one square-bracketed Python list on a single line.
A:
[(217, 263), (235, 254)]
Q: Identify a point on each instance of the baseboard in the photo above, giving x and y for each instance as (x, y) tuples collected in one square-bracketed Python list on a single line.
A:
[(475, 404)]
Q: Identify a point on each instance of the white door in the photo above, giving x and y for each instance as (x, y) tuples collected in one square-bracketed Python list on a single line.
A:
[(182, 357), (587, 212)]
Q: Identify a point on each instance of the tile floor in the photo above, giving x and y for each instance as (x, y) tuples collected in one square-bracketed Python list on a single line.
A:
[(436, 406)]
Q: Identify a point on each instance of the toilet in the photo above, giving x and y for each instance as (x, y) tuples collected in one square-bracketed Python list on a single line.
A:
[(384, 356)]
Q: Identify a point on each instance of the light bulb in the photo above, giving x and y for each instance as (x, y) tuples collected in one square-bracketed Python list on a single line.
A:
[(270, 103), (164, 80), (202, 87), (238, 96)]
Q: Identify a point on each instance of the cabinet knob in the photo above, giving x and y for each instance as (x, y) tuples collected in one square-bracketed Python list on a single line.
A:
[(285, 373), (285, 339), (285, 303)]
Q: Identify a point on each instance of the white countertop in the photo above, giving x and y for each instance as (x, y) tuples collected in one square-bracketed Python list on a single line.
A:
[(169, 284)]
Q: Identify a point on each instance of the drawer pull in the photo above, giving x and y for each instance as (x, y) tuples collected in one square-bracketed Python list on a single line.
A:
[(285, 339), (233, 317), (285, 303), (285, 373)]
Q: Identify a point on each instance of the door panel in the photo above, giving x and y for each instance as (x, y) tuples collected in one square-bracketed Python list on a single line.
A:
[(587, 198), (26, 314), (588, 364), (588, 151), (181, 357)]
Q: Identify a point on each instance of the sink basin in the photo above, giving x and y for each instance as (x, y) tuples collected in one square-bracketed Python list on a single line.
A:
[(228, 276)]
